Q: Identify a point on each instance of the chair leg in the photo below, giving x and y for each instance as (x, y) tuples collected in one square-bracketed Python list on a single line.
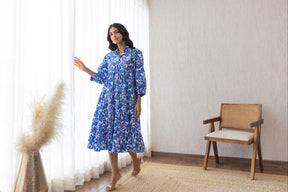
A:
[(260, 157), (215, 152), (207, 155), (253, 161)]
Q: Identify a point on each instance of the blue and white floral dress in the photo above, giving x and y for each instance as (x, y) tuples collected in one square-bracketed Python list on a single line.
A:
[(114, 127)]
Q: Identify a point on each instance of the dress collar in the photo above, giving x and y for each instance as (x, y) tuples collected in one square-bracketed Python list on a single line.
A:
[(125, 50)]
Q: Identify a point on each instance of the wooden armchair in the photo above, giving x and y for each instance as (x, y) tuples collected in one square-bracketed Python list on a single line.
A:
[(239, 124)]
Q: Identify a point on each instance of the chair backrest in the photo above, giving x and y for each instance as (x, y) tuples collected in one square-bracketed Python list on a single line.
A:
[(239, 116)]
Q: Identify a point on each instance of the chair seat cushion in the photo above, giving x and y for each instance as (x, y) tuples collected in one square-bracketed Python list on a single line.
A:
[(232, 134)]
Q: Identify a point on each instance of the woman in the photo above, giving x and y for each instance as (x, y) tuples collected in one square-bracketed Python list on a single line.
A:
[(116, 122)]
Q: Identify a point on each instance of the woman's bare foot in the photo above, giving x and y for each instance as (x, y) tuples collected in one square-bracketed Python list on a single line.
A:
[(114, 181), (136, 167)]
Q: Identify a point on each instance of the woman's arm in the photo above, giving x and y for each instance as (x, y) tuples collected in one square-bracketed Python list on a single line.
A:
[(80, 65), (140, 74), (140, 81)]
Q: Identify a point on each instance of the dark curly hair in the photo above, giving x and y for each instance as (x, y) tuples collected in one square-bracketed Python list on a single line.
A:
[(123, 31)]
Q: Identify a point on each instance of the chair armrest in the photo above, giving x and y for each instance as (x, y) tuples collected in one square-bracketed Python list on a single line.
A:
[(212, 120), (257, 123)]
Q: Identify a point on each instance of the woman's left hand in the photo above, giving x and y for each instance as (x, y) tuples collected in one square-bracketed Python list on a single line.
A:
[(137, 109)]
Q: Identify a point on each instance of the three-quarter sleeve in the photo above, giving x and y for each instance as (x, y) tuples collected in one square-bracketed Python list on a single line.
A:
[(102, 72), (140, 74)]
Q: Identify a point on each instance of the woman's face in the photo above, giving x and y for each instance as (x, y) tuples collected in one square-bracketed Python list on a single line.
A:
[(115, 35)]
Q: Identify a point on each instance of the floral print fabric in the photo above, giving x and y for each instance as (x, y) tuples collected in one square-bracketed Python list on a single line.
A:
[(114, 127)]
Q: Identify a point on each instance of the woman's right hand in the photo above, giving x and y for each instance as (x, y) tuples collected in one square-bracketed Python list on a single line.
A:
[(79, 64)]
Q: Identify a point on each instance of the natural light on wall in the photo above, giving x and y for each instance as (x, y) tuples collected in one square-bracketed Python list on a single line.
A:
[(38, 40)]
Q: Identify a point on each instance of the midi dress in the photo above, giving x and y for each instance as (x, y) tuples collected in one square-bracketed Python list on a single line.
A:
[(114, 126)]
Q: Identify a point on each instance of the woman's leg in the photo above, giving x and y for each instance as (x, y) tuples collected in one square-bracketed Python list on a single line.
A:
[(115, 171), (136, 164)]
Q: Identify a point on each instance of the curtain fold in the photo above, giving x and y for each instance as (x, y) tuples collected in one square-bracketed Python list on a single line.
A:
[(38, 42)]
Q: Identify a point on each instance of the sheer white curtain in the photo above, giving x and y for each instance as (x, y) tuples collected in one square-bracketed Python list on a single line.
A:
[(37, 41)]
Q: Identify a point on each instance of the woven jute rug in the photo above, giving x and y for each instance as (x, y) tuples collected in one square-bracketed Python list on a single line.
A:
[(158, 177)]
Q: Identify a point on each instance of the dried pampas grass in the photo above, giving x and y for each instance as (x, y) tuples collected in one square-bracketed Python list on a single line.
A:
[(46, 122)]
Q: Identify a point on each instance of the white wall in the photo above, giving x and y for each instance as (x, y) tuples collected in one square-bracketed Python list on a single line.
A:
[(205, 52)]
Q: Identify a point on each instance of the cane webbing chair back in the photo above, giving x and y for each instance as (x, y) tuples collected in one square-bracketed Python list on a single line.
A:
[(239, 116)]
